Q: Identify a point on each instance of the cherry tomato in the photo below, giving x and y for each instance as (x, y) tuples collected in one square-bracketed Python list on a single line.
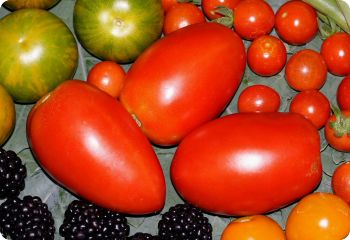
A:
[(313, 105), (306, 70), (337, 131), (296, 22), (167, 4), (256, 227), (267, 55), (343, 94), (210, 6), (341, 181), (336, 52), (253, 18), (321, 216), (107, 76), (259, 98), (181, 15)]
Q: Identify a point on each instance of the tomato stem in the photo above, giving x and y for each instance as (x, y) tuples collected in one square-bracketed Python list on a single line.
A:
[(227, 18), (341, 125)]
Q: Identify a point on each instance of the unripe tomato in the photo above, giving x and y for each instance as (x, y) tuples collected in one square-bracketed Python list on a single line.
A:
[(7, 115)]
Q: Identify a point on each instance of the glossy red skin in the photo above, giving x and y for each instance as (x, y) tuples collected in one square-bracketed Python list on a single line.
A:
[(306, 70), (296, 22), (313, 105), (343, 94), (341, 181), (248, 163), (107, 76), (259, 98), (267, 55), (167, 4), (90, 144), (342, 143), (184, 80), (210, 6), (336, 52), (181, 15), (253, 18)]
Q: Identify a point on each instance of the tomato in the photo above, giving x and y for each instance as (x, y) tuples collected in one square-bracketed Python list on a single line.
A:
[(343, 97), (7, 115), (321, 216), (259, 98), (336, 51), (209, 7), (246, 163), (117, 30), (185, 75), (41, 52), (267, 55), (313, 105), (253, 18), (337, 131), (107, 76), (341, 181), (257, 227), (19, 4), (167, 4), (296, 22), (181, 15), (306, 70), (90, 144)]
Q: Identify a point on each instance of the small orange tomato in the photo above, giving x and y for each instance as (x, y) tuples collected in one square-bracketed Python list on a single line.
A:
[(321, 216), (341, 181), (107, 76), (256, 227)]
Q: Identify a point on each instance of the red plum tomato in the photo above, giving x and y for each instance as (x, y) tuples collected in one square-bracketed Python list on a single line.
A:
[(210, 6), (341, 181), (337, 130), (343, 94)]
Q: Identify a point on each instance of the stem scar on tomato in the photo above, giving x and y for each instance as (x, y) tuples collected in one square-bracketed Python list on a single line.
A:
[(341, 125)]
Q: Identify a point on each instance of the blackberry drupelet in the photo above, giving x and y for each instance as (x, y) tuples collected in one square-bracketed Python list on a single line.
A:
[(12, 174), (26, 219), (142, 236), (184, 222), (83, 220)]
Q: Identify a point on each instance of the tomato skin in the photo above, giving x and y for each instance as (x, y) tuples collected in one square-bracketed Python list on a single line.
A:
[(343, 97), (167, 4), (341, 181), (267, 55), (165, 82), (259, 98), (242, 164), (209, 7), (321, 216), (107, 76), (340, 143), (313, 105), (181, 15), (19, 4), (114, 166), (306, 70), (7, 115), (336, 52), (296, 22), (253, 18)]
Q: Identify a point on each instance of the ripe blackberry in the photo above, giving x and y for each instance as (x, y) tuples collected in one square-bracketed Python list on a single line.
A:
[(12, 174), (26, 219), (83, 220), (142, 236), (184, 222)]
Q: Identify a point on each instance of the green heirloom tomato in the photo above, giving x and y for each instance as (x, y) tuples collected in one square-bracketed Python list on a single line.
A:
[(19, 4)]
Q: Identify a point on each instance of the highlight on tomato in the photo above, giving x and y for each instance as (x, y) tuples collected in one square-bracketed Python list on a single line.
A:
[(337, 130), (341, 181)]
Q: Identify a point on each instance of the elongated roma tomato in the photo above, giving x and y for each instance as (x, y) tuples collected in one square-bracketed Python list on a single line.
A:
[(184, 80), (90, 144), (248, 163)]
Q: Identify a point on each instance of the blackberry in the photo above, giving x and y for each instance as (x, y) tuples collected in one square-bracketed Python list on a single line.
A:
[(26, 219), (184, 222), (142, 236), (83, 220), (12, 174)]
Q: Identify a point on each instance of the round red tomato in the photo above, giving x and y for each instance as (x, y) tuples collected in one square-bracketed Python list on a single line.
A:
[(181, 15), (253, 18), (336, 51), (306, 70), (210, 6), (313, 105), (343, 94), (90, 144), (337, 130), (341, 181), (296, 22), (267, 55), (107, 76), (259, 98)]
